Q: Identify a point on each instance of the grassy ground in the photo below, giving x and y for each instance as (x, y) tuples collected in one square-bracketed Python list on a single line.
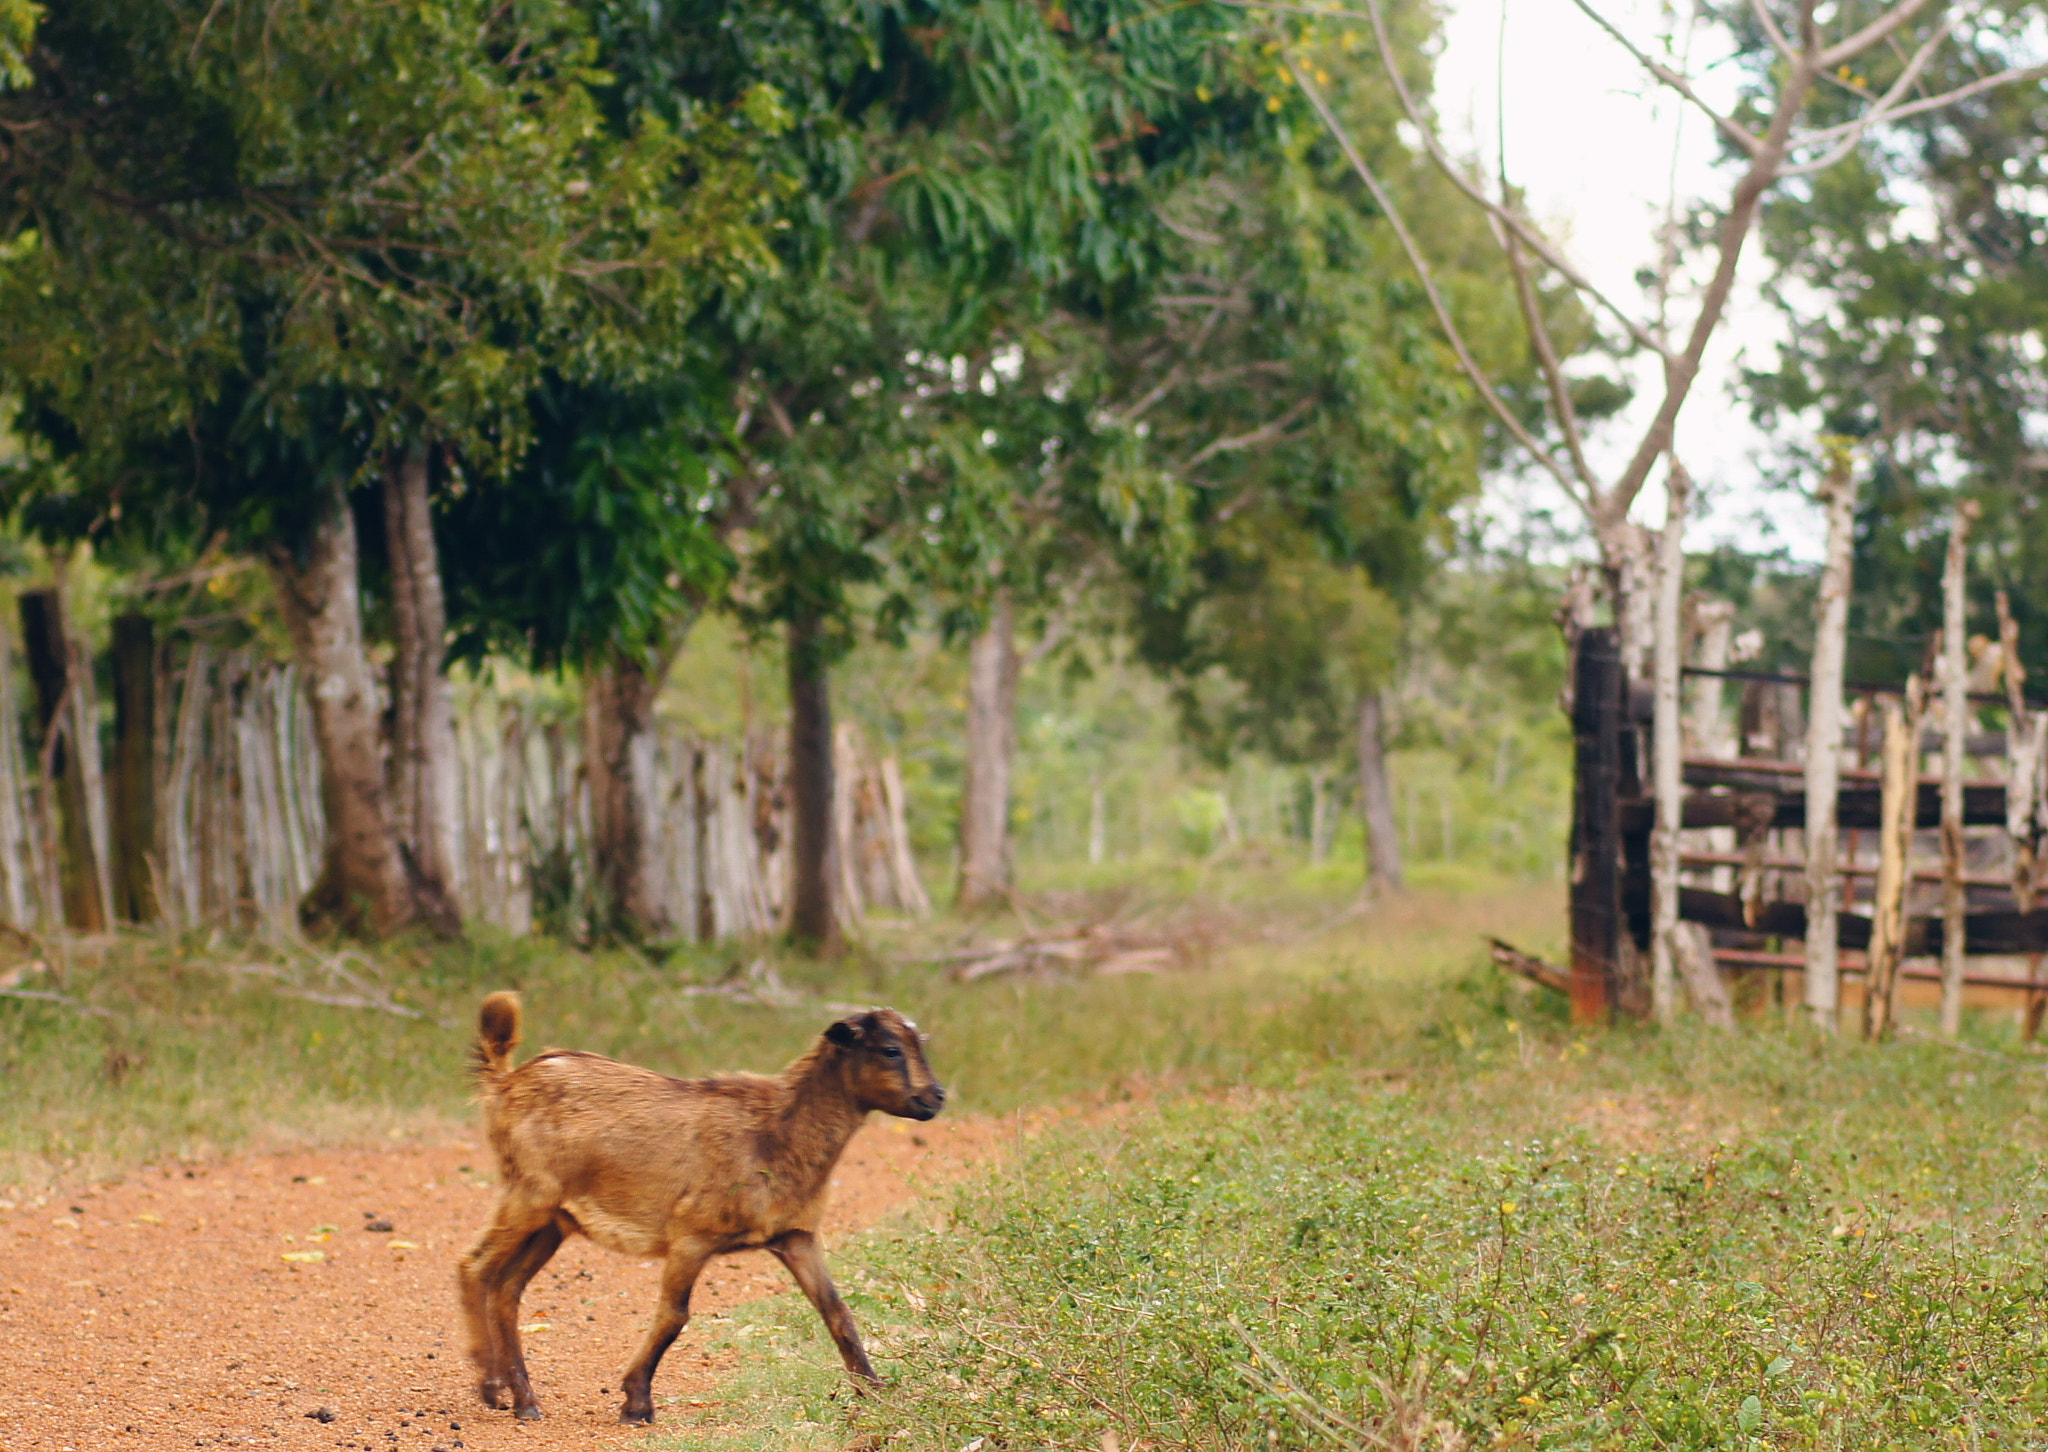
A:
[(1488, 1232), (201, 1047), (1335, 1186)]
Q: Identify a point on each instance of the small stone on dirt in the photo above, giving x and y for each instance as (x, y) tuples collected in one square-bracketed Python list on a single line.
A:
[(320, 1414), (382, 1227)]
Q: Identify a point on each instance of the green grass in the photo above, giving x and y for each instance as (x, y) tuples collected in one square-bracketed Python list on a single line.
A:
[(196, 1055), (1529, 1239), (1335, 1184)]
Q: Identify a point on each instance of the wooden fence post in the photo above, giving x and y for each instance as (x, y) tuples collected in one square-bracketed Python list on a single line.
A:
[(1824, 746), (1955, 725), (1666, 752), (1598, 697), (49, 665), (134, 785)]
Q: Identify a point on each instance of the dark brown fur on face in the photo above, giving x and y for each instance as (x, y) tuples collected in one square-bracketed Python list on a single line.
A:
[(679, 1169)]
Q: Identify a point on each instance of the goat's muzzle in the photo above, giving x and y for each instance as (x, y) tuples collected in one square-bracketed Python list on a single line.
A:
[(926, 1105)]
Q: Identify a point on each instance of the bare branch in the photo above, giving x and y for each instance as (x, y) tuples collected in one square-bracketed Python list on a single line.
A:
[(1855, 130), (1869, 35), (1730, 128), (1529, 236), (1683, 370), (1777, 37), (1466, 361), (1272, 431), (1553, 370)]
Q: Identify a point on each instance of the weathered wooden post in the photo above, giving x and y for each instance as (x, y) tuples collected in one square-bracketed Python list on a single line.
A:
[(1666, 753), (49, 666), (1898, 804), (134, 785), (1599, 696), (1824, 745), (1955, 727)]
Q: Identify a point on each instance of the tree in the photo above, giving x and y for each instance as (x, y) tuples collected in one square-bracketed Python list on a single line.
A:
[(1002, 172), (263, 257), (1927, 257), (1771, 139)]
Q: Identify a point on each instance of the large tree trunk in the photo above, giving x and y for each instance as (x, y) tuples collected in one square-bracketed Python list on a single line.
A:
[(991, 746), (363, 886), (1376, 798), (618, 749), (425, 803), (812, 918), (53, 671)]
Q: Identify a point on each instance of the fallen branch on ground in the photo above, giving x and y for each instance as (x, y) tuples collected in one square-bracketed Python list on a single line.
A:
[(1529, 966)]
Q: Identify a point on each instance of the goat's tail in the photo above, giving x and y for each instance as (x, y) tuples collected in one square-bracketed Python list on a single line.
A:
[(497, 1035)]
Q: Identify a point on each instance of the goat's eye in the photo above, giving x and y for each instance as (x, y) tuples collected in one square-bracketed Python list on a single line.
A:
[(890, 1051)]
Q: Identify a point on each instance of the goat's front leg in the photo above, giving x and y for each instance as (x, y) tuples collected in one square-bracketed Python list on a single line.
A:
[(798, 1249), (678, 1276)]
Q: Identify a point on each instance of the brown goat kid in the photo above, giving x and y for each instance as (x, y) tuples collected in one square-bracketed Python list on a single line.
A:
[(680, 1169)]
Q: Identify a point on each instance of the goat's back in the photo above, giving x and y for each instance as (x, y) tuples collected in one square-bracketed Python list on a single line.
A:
[(627, 1153)]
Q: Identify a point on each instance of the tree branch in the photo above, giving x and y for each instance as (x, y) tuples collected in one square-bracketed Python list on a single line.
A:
[(1529, 236), (1857, 129), (1737, 133), (1682, 371), (1776, 36), (1269, 432), (1869, 35), (1466, 361), (1553, 370)]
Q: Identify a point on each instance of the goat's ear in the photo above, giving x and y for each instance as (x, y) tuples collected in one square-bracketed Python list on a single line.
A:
[(845, 1033)]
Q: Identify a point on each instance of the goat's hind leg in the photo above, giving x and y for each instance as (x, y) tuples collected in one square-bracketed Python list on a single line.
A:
[(679, 1274), (498, 1258), (503, 1309)]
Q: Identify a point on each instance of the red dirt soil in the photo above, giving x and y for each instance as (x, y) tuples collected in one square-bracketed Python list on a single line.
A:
[(161, 1311)]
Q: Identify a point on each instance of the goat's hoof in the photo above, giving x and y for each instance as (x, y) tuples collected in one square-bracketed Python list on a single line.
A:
[(636, 1416), (528, 1413), (492, 1394)]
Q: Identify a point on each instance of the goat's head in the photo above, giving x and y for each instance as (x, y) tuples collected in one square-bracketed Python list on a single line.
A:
[(885, 1065)]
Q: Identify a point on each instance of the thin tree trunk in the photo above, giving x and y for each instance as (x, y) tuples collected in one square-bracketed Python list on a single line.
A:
[(618, 725), (1898, 801), (1955, 725), (425, 795), (1666, 752), (134, 794), (51, 668), (1376, 797), (1824, 752), (813, 919), (910, 893), (363, 886), (991, 736)]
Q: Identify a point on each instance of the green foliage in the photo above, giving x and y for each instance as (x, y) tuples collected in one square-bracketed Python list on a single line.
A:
[(255, 245), (598, 544)]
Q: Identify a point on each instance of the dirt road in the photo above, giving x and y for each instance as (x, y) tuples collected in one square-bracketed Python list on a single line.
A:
[(221, 1305)]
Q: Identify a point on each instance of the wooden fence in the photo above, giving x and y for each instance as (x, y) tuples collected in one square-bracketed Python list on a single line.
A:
[(233, 827)]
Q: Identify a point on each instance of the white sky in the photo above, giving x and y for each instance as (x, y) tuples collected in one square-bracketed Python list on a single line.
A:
[(1596, 144)]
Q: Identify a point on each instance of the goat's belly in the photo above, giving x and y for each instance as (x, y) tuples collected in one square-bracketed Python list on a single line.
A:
[(616, 1232)]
